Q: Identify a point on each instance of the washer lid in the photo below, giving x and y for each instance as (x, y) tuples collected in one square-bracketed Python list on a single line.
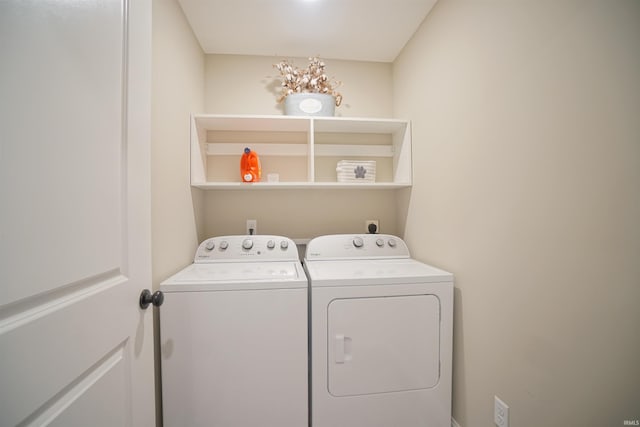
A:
[(373, 272), (237, 276)]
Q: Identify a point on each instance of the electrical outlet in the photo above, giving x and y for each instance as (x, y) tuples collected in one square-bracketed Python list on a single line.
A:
[(252, 226), (500, 412), (369, 222)]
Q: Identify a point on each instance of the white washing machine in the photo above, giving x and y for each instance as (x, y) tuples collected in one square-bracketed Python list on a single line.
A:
[(234, 339), (381, 334)]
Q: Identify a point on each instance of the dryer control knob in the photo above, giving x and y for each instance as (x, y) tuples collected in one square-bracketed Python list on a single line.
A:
[(284, 244), (357, 242), (224, 245), (247, 244), (271, 244), (380, 243), (392, 243), (210, 245)]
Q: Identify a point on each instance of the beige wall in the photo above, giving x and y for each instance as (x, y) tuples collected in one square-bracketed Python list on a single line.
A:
[(238, 84), (176, 209), (242, 84), (299, 214), (526, 143), (178, 90)]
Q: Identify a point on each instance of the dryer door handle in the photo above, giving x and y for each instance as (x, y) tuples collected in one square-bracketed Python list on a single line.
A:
[(342, 349)]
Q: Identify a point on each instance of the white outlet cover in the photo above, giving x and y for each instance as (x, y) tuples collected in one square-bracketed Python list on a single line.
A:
[(500, 412)]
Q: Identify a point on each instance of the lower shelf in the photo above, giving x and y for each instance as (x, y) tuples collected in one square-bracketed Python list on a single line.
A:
[(300, 186)]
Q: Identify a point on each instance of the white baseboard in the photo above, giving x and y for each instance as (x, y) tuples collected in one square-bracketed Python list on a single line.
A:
[(454, 423)]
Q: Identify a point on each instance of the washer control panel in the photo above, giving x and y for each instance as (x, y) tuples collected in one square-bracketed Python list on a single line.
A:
[(247, 248), (356, 246)]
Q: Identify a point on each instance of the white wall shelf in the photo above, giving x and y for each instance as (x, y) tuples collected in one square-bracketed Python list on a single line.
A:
[(303, 151)]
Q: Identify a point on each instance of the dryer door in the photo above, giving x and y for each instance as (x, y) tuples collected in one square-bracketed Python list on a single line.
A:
[(383, 344)]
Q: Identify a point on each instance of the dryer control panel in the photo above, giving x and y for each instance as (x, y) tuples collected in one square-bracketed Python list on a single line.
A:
[(356, 246), (246, 249)]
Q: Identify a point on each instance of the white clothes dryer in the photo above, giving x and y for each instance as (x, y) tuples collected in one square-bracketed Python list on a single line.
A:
[(234, 340), (381, 334)]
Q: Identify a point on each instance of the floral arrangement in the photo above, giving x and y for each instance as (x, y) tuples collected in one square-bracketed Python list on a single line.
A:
[(309, 80)]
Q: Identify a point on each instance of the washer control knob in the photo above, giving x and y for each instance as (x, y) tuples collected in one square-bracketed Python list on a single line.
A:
[(284, 244), (357, 242), (247, 244), (271, 244), (380, 243), (224, 245), (210, 245), (392, 243)]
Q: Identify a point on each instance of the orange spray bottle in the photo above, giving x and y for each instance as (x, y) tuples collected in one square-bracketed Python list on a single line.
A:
[(250, 169)]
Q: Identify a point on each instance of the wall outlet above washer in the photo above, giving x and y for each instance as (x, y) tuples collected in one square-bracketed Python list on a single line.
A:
[(252, 226)]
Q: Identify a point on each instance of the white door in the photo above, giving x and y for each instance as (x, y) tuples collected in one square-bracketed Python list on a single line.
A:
[(75, 348)]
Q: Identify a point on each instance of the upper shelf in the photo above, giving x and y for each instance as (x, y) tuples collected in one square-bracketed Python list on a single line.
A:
[(302, 151)]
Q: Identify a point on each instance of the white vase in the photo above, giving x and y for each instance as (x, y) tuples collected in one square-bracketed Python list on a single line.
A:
[(309, 104)]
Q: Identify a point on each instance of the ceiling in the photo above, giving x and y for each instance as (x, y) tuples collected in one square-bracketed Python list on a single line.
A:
[(362, 30)]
